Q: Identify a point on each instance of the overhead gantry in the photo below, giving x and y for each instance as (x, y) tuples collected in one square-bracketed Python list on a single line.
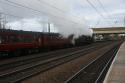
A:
[(109, 33)]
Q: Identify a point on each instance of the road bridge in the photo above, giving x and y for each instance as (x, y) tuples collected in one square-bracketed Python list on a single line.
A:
[(108, 33)]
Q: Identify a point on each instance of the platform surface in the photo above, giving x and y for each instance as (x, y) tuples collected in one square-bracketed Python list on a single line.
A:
[(116, 73)]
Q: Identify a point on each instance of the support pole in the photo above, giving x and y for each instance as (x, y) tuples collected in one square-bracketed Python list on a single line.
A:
[(49, 27)]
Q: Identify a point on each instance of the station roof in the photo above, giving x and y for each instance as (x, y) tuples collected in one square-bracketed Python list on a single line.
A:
[(108, 30)]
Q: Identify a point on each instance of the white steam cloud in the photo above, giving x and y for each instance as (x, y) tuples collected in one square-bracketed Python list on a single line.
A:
[(56, 12)]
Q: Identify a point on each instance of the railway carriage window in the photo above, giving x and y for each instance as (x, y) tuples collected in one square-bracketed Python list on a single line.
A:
[(27, 39), (19, 39), (3, 39), (0, 40), (13, 38)]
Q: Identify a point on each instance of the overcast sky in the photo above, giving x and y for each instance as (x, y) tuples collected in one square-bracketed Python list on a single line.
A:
[(65, 16)]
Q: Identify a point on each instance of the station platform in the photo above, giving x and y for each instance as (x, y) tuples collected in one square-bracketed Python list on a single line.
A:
[(116, 73)]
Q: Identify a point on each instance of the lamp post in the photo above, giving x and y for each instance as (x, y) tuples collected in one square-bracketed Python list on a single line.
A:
[(0, 21), (49, 27)]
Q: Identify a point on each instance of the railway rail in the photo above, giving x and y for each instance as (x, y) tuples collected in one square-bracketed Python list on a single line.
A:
[(18, 70), (18, 61), (96, 70)]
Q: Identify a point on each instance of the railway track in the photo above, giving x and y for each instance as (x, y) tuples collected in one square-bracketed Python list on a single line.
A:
[(22, 70), (96, 70), (18, 61)]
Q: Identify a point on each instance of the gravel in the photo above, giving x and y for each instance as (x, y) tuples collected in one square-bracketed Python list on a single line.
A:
[(61, 73)]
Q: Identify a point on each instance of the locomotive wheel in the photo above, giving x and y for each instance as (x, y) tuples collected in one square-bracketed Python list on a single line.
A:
[(30, 51), (17, 53)]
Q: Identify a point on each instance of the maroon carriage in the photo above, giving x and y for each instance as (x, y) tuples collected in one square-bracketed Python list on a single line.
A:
[(17, 42)]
